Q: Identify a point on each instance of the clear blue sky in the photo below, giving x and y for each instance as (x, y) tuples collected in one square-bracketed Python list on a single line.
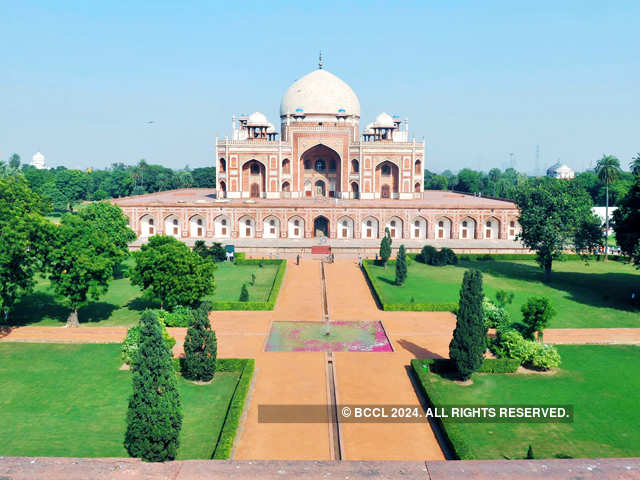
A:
[(479, 80)]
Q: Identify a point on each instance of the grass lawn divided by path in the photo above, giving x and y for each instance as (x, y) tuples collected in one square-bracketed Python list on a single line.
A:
[(597, 380), (71, 400), (123, 302), (230, 277), (593, 295)]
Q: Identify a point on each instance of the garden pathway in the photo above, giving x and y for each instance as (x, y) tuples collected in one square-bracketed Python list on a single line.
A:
[(300, 378)]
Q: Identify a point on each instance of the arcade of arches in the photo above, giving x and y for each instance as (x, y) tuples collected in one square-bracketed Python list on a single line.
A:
[(365, 226)]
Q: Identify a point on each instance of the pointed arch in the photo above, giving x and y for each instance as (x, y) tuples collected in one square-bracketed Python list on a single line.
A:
[(271, 227), (345, 227), (443, 228), (197, 226), (222, 227), (295, 227), (172, 226)]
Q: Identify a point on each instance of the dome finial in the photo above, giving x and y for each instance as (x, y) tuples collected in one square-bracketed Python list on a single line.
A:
[(320, 61)]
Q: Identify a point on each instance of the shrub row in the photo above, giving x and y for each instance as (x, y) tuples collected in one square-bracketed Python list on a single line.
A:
[(453, 435), (499, 365), (444, 366), (227, 436), (273, 294), (413, 306), (421, 307), (429, 255), (531, 256)]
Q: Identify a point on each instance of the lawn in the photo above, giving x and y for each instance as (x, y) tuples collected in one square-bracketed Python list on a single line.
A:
[(123, 302), (591, 378), (71, 400), (593, 295), (230, 277)]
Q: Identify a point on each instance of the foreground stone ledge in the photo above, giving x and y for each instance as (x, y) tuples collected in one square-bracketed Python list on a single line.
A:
[(52, 468)]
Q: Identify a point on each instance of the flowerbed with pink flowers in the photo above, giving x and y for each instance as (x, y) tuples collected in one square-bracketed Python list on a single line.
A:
[(331, 337)]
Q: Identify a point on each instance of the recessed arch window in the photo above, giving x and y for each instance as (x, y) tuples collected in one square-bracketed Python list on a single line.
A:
[(386, 170), (255, 168), (320, 165)]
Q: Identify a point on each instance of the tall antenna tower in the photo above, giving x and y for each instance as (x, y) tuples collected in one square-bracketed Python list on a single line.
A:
[(537, 165), (512, 162)]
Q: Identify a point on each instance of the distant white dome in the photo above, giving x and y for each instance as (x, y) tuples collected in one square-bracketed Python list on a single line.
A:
[(257, 118), (384, 120), (320, 92), (38, 161)]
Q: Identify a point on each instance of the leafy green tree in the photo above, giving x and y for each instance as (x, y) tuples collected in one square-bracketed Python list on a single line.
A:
[(385, 247), (469, 340), (244, 293), (536, 314), (58, 200), (109, 218), (72, 184), (14, 161), (626, 223), (634, 166), (556, 215), (200, 348), (172, 272), (401, 266), (154, 416), (81, 262), (608, 170), (24, 243), (504, 298), (204, 177)]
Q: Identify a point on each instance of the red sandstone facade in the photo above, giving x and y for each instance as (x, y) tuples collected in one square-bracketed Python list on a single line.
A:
[(322, 178)]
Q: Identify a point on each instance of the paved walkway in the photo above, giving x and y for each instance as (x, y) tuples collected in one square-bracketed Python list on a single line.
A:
[(300, 378)]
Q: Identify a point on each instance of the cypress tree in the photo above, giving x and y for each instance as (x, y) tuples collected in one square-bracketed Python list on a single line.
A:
[(401, 266), (154, 417), (244, 293), (385, 247), (200, 348), (469, 340), (530, 455)]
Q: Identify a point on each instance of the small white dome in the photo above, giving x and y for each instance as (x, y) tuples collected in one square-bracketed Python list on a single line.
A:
[(384, 120), (320, 92), (257, 118)]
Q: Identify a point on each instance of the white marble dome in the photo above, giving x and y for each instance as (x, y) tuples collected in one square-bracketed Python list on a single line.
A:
[(257, 118), (384, 120), (322, 93)]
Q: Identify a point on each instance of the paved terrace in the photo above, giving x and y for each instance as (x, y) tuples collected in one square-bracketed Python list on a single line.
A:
[(207, 196), (26, 468)]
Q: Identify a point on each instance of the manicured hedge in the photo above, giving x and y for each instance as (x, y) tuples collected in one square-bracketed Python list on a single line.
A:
[(451, 431), (530, 256), (227, 436), (454, 437), (499, 365), (273, 295), (414, 307)]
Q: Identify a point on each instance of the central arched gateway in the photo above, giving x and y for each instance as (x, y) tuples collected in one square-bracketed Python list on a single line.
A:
[(321, 227), (321, 166)]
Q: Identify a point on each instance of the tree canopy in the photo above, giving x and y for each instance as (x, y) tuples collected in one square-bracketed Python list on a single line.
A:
[(556, 215), (626, 223), (172, 272), (24, 235)]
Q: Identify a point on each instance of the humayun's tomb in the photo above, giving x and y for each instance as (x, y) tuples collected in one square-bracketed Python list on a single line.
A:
[(324, 181)]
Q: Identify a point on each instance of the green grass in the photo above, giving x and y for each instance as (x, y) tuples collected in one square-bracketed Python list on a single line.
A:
[(591, 378), (123, 302), (71, 400), (230, 277), (593, 295)]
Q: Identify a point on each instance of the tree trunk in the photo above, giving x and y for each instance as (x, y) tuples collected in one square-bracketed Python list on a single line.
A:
[(72, 320), (547, 271), (606, 232)]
